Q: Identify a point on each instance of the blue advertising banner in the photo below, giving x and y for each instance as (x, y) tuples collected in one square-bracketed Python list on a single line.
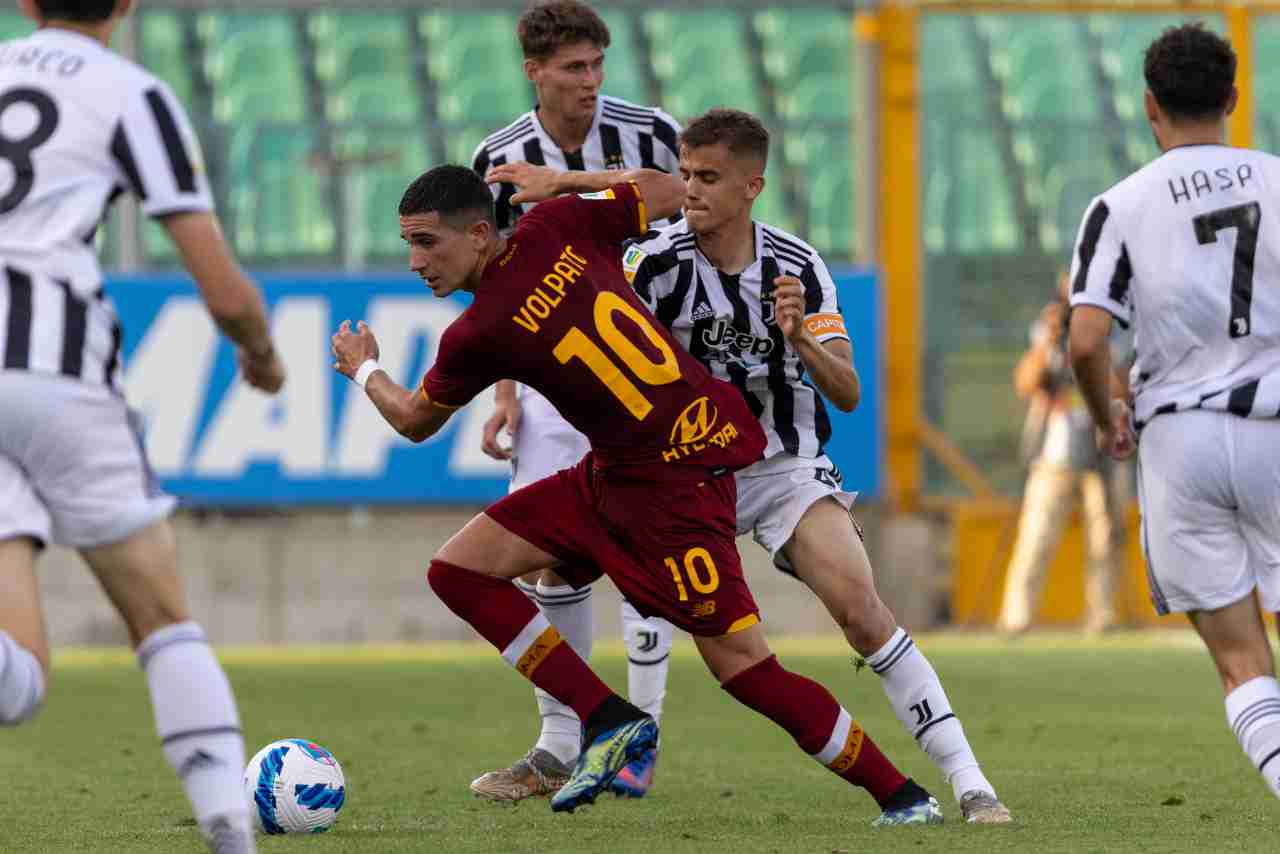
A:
[(215, 441)]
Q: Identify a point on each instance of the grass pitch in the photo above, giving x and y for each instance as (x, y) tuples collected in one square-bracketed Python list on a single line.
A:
[(1117, 745)]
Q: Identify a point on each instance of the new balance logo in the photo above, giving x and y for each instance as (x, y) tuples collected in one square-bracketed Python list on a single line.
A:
[(702, 311), (196, 761), (648, 641)]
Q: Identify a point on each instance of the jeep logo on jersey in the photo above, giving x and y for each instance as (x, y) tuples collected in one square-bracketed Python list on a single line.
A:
[(723, 336), (695, 422)]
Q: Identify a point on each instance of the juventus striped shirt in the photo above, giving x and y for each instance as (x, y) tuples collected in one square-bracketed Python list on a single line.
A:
[(1188, 250), (728, 324), (623, 136), (79, 125)]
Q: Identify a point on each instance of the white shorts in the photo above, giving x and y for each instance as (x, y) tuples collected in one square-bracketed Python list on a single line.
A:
[(72, 466), (545, 443), (774, 494), (1209, 488)]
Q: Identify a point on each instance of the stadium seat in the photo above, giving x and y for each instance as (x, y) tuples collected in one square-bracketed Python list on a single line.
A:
[(255, 66), (279, 209), (161, 49), (1266, 54), (13, 25), (800, 43), (1043, 64), (381, 163), (623, 73), (475, 61), (364, 64), (702, 60)]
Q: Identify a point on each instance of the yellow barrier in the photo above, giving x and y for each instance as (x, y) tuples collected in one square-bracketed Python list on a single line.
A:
[(982, 535)]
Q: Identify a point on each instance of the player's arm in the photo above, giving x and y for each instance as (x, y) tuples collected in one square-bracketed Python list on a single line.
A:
[(1089, 342), (661, 194), (233, 301), (829, 362), (409, 411)]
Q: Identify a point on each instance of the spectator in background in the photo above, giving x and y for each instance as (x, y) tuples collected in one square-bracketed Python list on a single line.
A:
[(1058, 445)]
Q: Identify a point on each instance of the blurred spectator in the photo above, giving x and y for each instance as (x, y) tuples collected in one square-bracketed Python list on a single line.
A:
[(1059, 447)]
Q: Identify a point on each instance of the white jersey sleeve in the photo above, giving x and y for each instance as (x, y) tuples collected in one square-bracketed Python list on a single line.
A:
[(158, 155), (1100, 267)]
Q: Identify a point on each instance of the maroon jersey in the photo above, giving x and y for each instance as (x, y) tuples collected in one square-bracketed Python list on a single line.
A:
[(555, 312)]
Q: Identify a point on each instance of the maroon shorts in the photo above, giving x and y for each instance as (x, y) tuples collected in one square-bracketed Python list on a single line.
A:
[(669, 547)]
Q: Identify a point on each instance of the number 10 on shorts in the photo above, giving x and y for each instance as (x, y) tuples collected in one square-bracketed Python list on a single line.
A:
[(699, 570)]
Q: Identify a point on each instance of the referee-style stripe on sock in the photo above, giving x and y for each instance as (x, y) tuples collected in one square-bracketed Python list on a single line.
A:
[(820, 726), (507, 619)]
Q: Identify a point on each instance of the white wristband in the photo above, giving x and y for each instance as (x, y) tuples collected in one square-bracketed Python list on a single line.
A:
[(365, 371)]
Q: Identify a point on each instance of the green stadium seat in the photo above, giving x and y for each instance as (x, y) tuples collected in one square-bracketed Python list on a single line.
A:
[(1266, 56), (799, 43), (829, 182), (948, 71), (15, 26), (162, 50), (466, 47), (255, 65), (702, 60), (623, 68), (374, 187), (279, 207), (1043, 64), (365, 65), (817, 97)]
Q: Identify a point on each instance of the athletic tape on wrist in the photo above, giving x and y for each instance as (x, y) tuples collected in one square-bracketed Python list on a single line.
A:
[(365, 371)]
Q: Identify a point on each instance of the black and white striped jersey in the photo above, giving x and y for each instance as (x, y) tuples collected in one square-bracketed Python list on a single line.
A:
[(727, 323), (79, 125), (1188, 249), (623, 136)]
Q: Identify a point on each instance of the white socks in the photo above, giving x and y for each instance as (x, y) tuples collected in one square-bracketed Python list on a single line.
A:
[(21, 682), (570, 612), (648, 649), (922, 706), (1253, 713), (648, 653), (197, 722)]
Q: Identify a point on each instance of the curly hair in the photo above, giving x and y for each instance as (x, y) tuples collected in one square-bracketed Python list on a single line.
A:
[(740, 131), (1191, 71), (545, 27)]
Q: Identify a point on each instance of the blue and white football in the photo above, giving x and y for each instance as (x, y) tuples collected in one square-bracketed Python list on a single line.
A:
[(294, 786)]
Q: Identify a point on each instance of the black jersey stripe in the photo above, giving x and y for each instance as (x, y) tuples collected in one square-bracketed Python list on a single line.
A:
[(611, 145), (481, 163), (631, 117), (1089, 244), (670, 305), (653, 266), (778, 237), (123, 156), (533, 152), (17, 337), (1120, 279), (75, 328), (730, 286), (667, 134), (510, 134), (184, 174), (113, 360), (574, 162), (812, 290), (784, 397), (645, 143), (1240, 402), (785, 254), (502, 210), (624, 107)]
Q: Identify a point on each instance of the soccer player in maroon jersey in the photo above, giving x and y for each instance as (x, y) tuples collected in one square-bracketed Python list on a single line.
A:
[(653, 501)]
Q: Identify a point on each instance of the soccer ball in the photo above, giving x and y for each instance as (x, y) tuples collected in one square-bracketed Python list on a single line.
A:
[(294, 786)]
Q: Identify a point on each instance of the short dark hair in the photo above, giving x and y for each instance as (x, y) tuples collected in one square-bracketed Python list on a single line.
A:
[(545, 27), (1191, 70), (742, 132), (88, 11), (451, 191)]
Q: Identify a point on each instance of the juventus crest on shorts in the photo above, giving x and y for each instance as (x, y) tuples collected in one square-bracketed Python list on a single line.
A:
[(79, 125), (1188, 250)]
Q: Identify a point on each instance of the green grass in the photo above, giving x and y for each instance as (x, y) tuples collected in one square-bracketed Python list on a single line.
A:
[(1110, 746)]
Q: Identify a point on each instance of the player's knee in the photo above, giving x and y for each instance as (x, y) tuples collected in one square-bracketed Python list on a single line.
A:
[(22, 687)]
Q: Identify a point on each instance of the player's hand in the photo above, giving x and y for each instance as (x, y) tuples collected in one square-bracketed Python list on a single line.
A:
[(353, 349), (788, 306), (263, 371), (534, 183), (1118, 439), (507, 416)]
